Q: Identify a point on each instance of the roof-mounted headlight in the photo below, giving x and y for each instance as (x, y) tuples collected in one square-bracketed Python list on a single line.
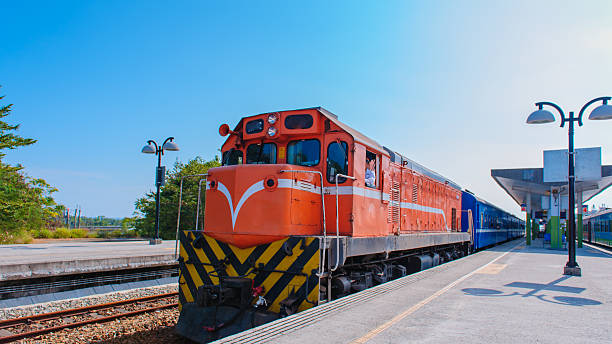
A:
[(272, 131), (272, 118)]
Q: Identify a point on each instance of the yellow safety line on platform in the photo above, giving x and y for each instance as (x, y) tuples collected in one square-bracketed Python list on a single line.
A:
[(414, 308), (492, 269)]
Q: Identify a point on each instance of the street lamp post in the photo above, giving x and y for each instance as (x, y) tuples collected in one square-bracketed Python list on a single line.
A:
[(541, 116), (160, 173)]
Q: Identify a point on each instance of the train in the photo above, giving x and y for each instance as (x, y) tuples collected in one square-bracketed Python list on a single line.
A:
[(597, 228), (304, 210)]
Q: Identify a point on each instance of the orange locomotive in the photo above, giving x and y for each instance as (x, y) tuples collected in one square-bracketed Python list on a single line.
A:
[(306, 209)]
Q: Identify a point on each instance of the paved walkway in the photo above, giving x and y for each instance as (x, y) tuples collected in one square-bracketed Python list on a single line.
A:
[(37, 260), (508, 294)]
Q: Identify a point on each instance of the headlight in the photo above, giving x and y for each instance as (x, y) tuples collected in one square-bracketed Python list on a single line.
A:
[(271, 131), (272, 118)]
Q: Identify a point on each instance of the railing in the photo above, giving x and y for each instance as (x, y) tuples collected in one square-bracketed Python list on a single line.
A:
[(199, 202), (178, 218), (337, 225)]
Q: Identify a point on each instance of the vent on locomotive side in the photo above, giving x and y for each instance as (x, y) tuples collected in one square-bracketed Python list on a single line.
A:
[(393, 214), (415, 193)]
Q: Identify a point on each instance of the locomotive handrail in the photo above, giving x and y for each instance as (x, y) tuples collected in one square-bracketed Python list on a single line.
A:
[(178, 217), (337, 223), (198, 206), (320, 273)]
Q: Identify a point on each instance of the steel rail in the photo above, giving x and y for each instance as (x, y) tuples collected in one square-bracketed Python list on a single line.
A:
[(79, 311), (39, 332)]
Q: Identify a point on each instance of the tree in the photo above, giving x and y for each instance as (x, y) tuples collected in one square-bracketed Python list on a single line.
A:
[(8, 139), (25, 203), (169, 195)]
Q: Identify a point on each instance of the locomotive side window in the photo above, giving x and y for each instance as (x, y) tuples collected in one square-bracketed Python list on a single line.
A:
[(232, 157), (254, 126), (261, 154), (337, 161), (304, 152), (370, 173), (298, 121)]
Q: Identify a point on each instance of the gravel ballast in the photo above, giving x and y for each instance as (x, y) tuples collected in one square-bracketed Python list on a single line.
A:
[(156, 327)]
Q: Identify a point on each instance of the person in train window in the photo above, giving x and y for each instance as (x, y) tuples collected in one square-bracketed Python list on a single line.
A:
[(370, 174)]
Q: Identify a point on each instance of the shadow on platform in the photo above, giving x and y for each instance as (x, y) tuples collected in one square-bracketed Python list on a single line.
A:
[(530, 289)]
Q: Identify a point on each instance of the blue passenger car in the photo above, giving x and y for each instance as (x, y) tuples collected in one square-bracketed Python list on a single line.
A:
[(490, 224), (598, 228)]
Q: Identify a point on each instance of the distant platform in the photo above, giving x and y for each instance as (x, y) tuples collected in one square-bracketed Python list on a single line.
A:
[(511, 293), (67, 257)]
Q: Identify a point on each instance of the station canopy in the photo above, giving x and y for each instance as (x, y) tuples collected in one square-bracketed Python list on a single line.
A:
[(531, 187)]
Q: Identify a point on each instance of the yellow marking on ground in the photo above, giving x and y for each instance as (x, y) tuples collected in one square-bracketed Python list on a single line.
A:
[(492, 269), (416, 307)]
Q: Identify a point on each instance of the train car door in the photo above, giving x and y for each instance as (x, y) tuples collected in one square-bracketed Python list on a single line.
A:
[(338, 152)]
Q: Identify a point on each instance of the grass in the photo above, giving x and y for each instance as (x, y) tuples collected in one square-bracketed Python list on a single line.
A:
[(26, 236)]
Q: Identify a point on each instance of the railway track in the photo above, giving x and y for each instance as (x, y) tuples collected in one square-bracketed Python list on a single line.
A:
[(36, 325), (44, 285)]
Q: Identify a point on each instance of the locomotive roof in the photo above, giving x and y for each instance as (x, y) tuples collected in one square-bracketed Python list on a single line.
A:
[(394, 156)]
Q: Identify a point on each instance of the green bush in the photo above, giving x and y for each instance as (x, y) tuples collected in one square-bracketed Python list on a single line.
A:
[(117, 233), (42, 234), (78, 233), (61, 233)]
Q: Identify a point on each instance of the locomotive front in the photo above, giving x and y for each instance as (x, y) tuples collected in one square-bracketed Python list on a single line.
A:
[(258, 257)]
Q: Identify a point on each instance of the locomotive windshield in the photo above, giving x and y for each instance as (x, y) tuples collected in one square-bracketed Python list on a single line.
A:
[(304, 152), (261, 154), (232, 157)]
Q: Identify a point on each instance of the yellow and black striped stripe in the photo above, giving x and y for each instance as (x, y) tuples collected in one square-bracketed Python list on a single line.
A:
[(283, 267)]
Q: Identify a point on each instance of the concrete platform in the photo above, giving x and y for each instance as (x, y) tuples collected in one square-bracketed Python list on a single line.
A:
[(507, 294), (41, 260)]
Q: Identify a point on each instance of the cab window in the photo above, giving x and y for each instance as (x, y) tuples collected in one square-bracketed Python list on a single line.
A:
[(370, 170), (337, 161), (304, 152), (298, 121), (232, 157), (254, 126), (261, 154)]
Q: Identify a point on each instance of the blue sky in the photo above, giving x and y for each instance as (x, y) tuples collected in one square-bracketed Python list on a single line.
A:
[(447, 83)]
